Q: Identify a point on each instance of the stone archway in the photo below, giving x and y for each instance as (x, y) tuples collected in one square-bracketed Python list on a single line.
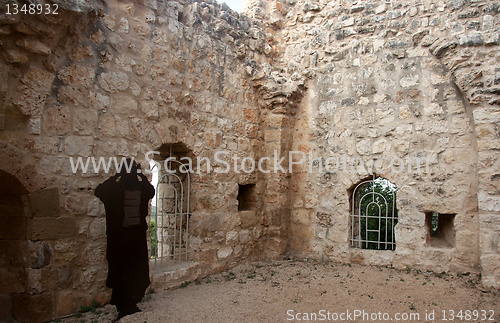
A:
[(471, 62), (12, 243), (30, 225), (22, 254)]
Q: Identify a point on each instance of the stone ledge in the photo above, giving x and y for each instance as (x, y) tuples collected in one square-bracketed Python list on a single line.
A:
[(171, 274)]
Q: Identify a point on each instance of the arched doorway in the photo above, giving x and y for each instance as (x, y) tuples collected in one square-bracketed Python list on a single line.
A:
[(169, 224), (13, 242), (25, 295)]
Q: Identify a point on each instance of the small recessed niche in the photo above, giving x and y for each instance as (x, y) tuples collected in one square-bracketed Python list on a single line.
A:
[(247, 199), (440, 229)]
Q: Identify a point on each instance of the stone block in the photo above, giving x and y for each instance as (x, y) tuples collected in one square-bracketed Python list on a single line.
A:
[(5, 308), (380, 146), (347, 102), (433, 109), (31, 102), (34, 126), (275, 247), (490, 270), (204, 256), (114, 82), (33, 308), (460, 125), (488, 202), (409, 81), (150, 109), (486, 115), (273, 135), (97, 228), (428, 40), (51, 228), (38, 80), (277, 216), (492, 8), (44, 203), (12, 228), (123, 104), (248, 218), (16, 57), (123, 26), (12, 280), (12, 253), (224, 252), (231, 236), (33, 282), (363, 147), (440, 49), (65, 303), (485, 131), (245, 236), (49, 279), (211, 222), (327, 108), (301, 217), (34, 46), (56, 120), (488, 145), (81, 146), (85, 122), (278, 121), (94, 254), (251, 115), (251, 131), (455, 107), (39, 254), (86, 278), (64, 276), (471, 40), (30, 178)]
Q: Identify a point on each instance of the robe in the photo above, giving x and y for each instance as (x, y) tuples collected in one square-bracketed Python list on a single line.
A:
[(126, 200)]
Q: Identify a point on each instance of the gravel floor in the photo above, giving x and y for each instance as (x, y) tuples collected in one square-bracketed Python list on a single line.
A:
[(291, 290)]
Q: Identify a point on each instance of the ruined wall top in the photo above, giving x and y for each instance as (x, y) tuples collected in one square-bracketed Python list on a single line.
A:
[(316, 37)]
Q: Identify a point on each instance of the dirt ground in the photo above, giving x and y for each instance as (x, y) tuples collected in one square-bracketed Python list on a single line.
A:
[(290, 290)]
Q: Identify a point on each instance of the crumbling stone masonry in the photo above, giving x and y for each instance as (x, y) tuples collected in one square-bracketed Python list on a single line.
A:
[(364, 79)]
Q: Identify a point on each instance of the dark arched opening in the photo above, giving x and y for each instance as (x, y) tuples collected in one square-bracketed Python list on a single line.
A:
[(13, 221)]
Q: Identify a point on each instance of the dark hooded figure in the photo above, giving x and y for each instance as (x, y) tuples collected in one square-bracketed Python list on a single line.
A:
[(126, 198)]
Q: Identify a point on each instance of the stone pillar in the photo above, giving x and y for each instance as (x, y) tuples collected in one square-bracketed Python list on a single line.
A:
[(277, 136), (487, 121)]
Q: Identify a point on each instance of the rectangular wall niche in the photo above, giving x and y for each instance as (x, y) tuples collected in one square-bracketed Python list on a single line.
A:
[(440, 229), (247, 199)]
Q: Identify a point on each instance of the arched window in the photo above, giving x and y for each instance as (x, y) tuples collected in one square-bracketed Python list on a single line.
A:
[(170, 210), (373, 215)]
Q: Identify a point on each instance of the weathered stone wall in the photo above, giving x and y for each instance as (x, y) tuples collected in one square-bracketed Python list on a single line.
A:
[(122, 80), (396, 80), (364, 79)]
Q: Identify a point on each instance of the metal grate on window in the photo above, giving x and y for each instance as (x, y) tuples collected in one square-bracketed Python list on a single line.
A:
[(374, 215)]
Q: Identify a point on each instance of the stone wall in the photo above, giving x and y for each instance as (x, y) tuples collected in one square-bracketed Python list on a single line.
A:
[(365, 79), (121, 80), (395, 80)]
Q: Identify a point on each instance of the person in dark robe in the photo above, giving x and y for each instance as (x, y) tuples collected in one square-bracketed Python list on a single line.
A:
[(126, 198)]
